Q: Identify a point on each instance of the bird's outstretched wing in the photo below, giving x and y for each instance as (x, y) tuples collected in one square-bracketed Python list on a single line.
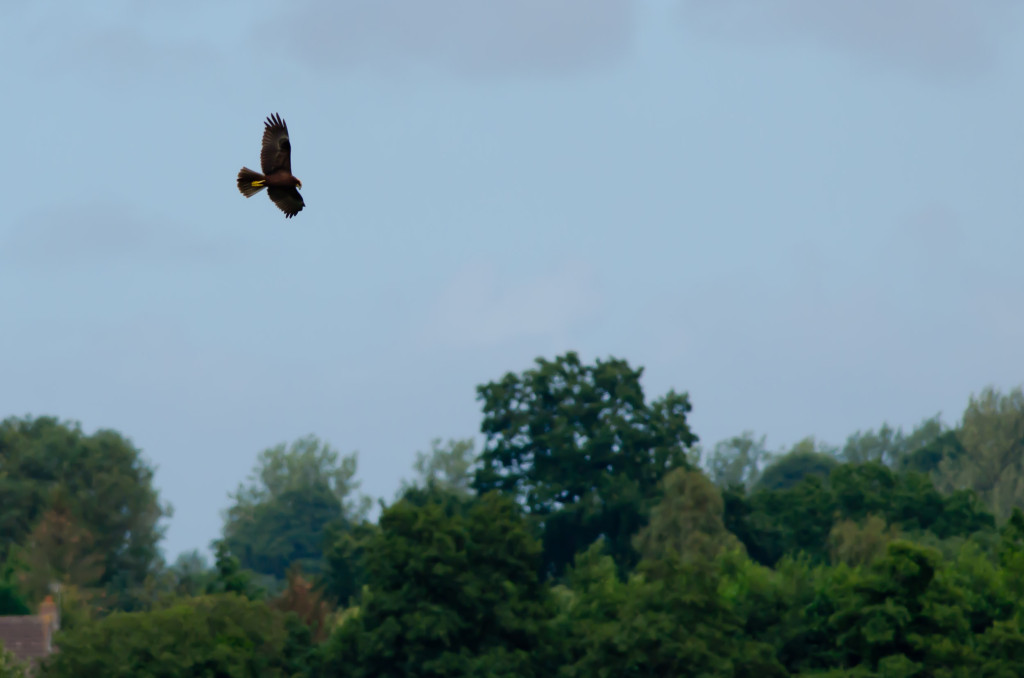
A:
[(276, 154), (287, 200)]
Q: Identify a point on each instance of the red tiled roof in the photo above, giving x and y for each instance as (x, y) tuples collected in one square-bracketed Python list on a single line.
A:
[(28, 637)]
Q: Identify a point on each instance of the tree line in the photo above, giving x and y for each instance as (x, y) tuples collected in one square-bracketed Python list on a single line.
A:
[(592, 535)]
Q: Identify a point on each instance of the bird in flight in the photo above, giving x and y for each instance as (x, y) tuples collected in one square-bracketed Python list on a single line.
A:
[(276, 163)]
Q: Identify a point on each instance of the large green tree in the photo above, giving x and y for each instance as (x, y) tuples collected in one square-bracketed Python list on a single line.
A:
[(807, 457), (903, 613), (57, 483), (220, 635), (773, 523), (667, 619), (295, 492), (686, 522), (581, 448), (452, 589)]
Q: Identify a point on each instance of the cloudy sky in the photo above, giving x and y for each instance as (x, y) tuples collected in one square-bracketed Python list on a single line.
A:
[(808, 215)]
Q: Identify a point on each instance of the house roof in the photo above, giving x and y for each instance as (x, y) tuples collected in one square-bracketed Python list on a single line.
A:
[(28, 637)]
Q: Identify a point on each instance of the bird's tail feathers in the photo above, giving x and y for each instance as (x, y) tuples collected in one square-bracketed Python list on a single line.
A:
[(250, 183)]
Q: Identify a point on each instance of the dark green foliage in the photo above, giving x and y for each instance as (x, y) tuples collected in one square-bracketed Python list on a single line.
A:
[(892, 447), (901, 612), (668, 619), (285, 529), (448, 593), (879, 568), (580, 447), (926, 458), (280, 516), (12, 600), (229, 577), (108, 492), (791, 468), (212, 636), (344, 571), (907, 500), (772, 523), (190, 574)]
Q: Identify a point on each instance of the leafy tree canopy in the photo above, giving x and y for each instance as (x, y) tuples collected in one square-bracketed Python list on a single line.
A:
[(448, 467), (448, 593), (581, 448), (807, 457), (279, 517), (81, 508), (219, 635)]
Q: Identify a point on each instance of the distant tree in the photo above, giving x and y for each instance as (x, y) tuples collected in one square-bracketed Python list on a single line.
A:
[(279, 517), (890, 446), (992, 435), (909, 501), (448, 593), (230, 577), (930, 457), (666, 619), (582, 450), (737, 461), (686, 522), (773, 523), (191, 574), (60, 549), (220, 635), (807, 457), (448, 467), (301, 598), (108, 495), (10, 667), (860, 543), (903, 617), (344, 571)]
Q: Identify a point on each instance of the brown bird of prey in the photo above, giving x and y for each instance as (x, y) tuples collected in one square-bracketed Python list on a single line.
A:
[(277, 177)]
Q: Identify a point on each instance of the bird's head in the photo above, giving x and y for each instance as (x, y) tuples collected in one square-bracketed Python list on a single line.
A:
[(298, 184)]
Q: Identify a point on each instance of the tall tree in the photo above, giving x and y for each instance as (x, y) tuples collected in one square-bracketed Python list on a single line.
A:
[(807, 457), (737, 461), (992, 435), (447, 466), (666, 619), (190, 574), (580, 447), (279, 517), (61, 550), (890, 446), (903, 617), (106, 487), (687, 521), (450, 591)]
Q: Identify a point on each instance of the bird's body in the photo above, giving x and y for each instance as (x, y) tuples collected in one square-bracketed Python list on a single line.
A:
[(277, 177)]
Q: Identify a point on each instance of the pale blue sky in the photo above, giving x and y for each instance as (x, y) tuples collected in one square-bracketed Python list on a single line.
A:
[(807, 215)]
